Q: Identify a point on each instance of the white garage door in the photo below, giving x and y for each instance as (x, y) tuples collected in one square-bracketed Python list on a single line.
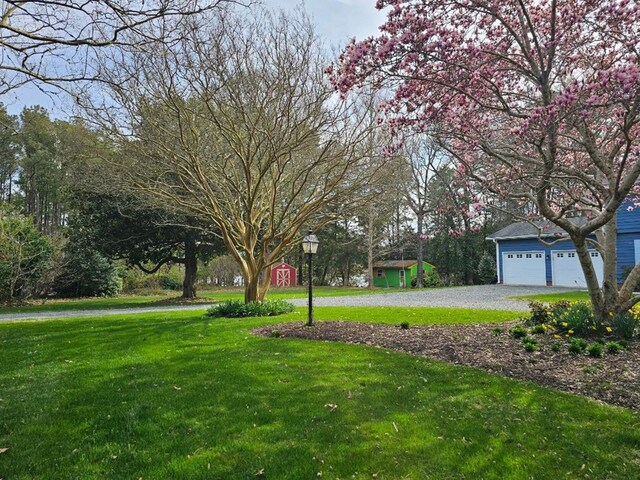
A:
[(567, 271), (524, 268)]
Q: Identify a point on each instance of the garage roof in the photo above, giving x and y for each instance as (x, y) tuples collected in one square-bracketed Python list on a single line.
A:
[(537, 229)]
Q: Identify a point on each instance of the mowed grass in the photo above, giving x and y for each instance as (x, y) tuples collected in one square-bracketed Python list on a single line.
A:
[(133, 301), (573, 296), (184, 396)]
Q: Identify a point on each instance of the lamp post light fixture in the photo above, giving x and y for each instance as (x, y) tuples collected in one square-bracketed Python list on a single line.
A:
[(310, 247)]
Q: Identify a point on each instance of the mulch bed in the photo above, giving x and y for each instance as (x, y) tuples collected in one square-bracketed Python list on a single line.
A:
[(614, 378)]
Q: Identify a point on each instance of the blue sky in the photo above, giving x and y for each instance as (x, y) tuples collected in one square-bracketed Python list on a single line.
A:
[(336, 21)]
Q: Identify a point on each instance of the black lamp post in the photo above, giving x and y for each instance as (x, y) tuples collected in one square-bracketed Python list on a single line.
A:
[(310, 247)]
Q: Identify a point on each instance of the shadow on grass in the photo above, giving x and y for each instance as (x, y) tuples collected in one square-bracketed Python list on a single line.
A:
[(201, 398)]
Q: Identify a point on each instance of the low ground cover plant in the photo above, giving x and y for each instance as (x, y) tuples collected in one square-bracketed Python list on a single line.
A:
[(239, 309), (571, 323)]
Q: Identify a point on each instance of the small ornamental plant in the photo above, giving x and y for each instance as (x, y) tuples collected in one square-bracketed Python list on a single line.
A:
[(404, 325), (555, 346), (613, 347), (577, 345), (238, 309), (518, 332), (496, 331), (595, 350)]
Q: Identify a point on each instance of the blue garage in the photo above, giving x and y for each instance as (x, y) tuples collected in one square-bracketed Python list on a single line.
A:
[(523, 259)]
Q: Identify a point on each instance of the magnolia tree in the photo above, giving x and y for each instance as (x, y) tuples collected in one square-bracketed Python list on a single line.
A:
[(536, 101)]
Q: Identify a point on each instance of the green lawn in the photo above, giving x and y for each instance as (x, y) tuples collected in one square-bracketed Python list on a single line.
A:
[(573, 296), (131, 301), (182, 396)]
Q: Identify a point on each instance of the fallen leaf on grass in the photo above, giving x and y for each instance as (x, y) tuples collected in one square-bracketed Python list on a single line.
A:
[(177, 388), (331, 406), (395, 426), (2, 450), (260, 472)]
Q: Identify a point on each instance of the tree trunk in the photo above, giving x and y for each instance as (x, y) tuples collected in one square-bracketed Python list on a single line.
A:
[(256, 285), (370, 250), (420, 272), (190, 267)]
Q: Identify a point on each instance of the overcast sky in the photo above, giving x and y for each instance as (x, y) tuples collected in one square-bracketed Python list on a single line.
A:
[(336, 21)]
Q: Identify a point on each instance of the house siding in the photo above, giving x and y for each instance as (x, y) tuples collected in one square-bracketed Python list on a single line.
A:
[(391, 276), (628, 234)]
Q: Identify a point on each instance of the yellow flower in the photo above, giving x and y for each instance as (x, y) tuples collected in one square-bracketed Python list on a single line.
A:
[(609, 329), (565, 324), (570, 332), (557, 336)]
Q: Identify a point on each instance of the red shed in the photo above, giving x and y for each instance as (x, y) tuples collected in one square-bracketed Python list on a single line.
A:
[(283, 275)]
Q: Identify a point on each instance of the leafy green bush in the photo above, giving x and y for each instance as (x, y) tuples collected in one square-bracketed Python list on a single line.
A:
[(556, 346), (595, 349), (518, 332), (538, 329), (496, 331), (625, 325), (25, 255), (430, 280), (613, 347), (168, 282), (578, 319), (86, 273), (577, 345), (486, 268), (276, 333), (404, 325), (238, 309), (540, 314)]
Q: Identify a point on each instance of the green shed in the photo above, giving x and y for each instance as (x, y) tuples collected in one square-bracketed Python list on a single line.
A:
[(397, 273)]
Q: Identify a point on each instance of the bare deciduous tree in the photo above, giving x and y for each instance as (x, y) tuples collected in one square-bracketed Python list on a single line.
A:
[(53, 41), (238, 126)]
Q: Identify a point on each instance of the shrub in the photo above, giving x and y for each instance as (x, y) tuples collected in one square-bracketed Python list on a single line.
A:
[(624, 325), (578, 319), (404, 325), (556, 346), (432, 279), (25, 255), (538, 329), (518, 332), (275, 333), (595, 349), (86, 273), (496, 331), (486, 269), (539, 314), (238, 309), (168, 282), (577, 345), (613, 347), (530, 344)]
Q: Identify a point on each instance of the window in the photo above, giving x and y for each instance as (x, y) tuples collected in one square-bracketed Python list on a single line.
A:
[(380, 273), (519, 255), (529, 255), (509, 256), (401, 273), (595, 254), (538, 255), (560, 255), (571, 255)]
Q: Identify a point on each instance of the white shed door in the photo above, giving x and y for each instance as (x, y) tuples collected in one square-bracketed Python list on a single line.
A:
[(567, 271), (524, 268)]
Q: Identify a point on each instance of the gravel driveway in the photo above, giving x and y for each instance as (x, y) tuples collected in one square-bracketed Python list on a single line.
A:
[(489, 297)]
